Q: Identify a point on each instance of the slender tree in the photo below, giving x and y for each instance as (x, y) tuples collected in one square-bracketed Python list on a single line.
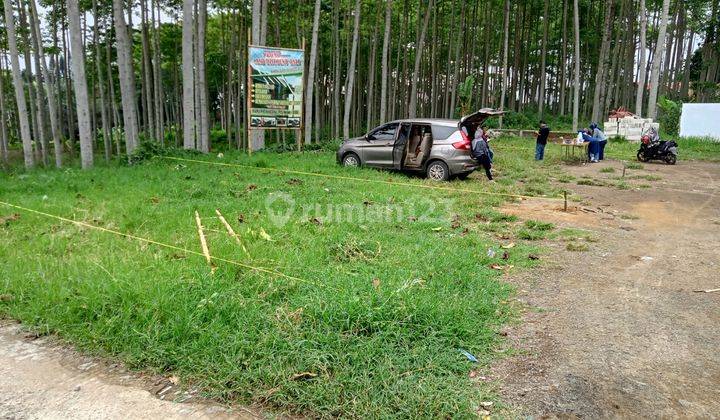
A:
[(202, 93), (657, 58), (384, 63), (351, 73), (257, 137), (543, 76), (418, 58), (188, 76), (80, 84), (503, 70), (127, 76), (101, 86), (311, 73), (22, 110), (576, 82)]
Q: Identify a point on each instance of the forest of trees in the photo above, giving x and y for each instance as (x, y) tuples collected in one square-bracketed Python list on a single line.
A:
[(93, 79)]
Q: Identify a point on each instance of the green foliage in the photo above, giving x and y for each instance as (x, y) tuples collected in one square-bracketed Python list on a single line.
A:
[(669, 117), (465, 94), (146, 151)]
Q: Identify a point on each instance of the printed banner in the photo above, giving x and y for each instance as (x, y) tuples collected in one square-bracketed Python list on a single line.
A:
[(276, 87)]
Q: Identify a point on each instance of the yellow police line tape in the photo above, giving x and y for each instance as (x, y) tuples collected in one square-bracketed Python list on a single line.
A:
[(350, 178), (176, 248)]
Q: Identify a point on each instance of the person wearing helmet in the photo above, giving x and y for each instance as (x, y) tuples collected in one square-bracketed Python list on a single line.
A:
[(598, 134)]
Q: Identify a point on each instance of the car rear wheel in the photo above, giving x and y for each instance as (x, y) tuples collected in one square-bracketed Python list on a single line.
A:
[(351, 160), (438, 171)]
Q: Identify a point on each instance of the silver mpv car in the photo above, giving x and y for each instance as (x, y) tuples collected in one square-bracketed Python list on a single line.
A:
[(437, 148)]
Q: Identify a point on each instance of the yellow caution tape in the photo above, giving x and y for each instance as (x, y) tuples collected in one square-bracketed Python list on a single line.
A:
[(150, 241)]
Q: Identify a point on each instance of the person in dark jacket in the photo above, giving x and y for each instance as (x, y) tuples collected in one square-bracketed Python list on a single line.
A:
[(542, 137), (602, 139), (480, 151)]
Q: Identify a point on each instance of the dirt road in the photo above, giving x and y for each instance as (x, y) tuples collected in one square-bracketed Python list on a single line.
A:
[(40, 379), (618, 331)]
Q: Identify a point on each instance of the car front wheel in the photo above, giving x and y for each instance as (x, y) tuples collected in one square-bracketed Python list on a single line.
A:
[(438, 171), (351, 160)]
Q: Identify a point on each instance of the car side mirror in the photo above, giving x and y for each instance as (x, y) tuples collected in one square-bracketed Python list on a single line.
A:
[(367, 137)]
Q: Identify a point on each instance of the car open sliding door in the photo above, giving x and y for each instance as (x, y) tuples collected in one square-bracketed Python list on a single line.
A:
[(398, 154)]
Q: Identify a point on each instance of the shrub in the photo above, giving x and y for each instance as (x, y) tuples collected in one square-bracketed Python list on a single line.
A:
[(669, 115)]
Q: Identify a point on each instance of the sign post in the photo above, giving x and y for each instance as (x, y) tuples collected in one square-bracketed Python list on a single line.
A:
[(276, 88)]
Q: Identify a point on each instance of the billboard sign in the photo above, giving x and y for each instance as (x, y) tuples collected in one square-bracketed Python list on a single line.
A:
[(276, 87)]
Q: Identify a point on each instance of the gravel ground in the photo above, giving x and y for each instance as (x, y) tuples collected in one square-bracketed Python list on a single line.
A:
[(619, 331)]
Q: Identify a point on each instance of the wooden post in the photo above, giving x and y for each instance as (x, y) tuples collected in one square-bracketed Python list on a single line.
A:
[(203, 243), (231, 231), (565, 195)]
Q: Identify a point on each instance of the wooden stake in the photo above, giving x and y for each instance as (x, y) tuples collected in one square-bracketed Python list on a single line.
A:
[(231, 231), (565, 195), (707, 291), (203, 243)]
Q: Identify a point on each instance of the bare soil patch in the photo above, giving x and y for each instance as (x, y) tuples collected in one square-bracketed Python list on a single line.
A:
[(42, 379), (618, 331)]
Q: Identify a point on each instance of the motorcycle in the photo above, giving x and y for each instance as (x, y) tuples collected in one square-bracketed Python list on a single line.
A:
[(652, 148)]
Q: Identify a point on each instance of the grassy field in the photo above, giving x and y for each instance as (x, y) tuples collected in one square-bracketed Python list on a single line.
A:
[(388, 281), (391, 280)]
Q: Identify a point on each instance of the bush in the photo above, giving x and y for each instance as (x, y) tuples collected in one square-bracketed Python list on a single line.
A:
[(146, 151), (669, 115)]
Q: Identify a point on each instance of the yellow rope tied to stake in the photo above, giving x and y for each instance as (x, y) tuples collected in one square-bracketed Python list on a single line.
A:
[(350, 178), (150, 241)]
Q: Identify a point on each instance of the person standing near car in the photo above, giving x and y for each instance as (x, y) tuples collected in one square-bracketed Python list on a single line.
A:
[(480, 151), (602, 139), (542, 137)]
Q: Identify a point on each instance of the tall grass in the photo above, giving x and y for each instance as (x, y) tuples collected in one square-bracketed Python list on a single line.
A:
[(372, 329)]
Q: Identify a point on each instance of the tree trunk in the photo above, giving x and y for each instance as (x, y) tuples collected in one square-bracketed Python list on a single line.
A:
[(18, 84), (147, 75), (101, 85), (543, 78), (80, 84), (157, 77), (3, 125), (203, 112), (602, 59), (643, 60), (503, 70), (188, 71), (36, 102), (384, 64), (41, 66), (563, 60), (311, 74), (257, 137), (418, 58), (657, 58), (576, 82), (351, 73), (127, 76), (372, 60)]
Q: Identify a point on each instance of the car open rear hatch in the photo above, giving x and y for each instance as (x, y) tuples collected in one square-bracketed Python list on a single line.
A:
[(473, 121)]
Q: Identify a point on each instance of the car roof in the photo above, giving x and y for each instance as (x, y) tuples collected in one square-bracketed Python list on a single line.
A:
[(436, 121)]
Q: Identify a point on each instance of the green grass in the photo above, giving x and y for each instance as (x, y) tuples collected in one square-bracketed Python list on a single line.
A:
[(689, 149), (392, 279)]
